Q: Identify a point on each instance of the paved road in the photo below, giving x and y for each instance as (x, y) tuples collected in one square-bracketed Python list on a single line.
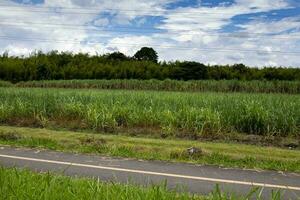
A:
[(195, 179)]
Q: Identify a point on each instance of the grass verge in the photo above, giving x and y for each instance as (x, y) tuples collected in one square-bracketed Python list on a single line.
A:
[(221, 154), (24, 185)]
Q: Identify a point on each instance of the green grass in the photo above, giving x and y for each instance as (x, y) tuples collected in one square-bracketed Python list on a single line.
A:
[(24, 185), (175, 114), (291, 87), (5, 84), (221, 154)]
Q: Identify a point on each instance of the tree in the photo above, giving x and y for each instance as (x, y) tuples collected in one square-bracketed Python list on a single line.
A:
[(147, 54), (5, 54), (191, 71), (66, 65), (240, 71), (43, 72), (241, 68), (117, 56)]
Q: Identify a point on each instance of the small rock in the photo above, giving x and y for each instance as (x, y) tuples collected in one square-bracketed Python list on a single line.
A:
[(194, 150)]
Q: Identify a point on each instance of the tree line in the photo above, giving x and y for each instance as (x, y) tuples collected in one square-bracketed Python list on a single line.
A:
[(143, 65)]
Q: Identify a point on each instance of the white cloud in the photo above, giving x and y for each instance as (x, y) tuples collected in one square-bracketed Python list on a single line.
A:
[(194, 33), (200, 28), (131, 44), (101, 22), (263, 26)]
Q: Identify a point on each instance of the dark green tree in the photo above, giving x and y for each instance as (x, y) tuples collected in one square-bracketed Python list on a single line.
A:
[(146, 54), (66, 65), (5, 54), (117, 56), (43, 72), (191, 71)]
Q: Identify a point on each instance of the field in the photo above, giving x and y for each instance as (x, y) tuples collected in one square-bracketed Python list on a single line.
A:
[(169, 114), (240, 125), (290, 87)]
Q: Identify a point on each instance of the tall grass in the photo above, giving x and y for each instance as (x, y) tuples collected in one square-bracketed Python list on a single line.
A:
[(291, 87), (192, 114), (24, 185), (5, 84)]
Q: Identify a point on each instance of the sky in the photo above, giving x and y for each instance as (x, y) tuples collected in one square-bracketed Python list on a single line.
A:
[(254, 32)]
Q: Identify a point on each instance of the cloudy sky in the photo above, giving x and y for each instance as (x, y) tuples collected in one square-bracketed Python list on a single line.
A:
[(254, 32)]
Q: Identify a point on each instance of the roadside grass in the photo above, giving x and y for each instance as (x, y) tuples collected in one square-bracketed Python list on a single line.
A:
[(221, 154), (24, 185)]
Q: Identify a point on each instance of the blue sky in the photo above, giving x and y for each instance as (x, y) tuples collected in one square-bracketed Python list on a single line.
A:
[(254, 32)]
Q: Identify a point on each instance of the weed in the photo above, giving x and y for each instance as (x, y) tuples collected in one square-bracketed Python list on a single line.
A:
[(10, 136)]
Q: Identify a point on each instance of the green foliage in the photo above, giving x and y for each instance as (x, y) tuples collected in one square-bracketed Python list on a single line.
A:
[(118, 56), (144, 66), (290, 87), (191, 71), (5, 84), (147, 54), (24, 184), (191, 113)]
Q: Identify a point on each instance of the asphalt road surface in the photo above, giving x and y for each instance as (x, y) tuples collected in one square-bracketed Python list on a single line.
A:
[(182, 177)]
